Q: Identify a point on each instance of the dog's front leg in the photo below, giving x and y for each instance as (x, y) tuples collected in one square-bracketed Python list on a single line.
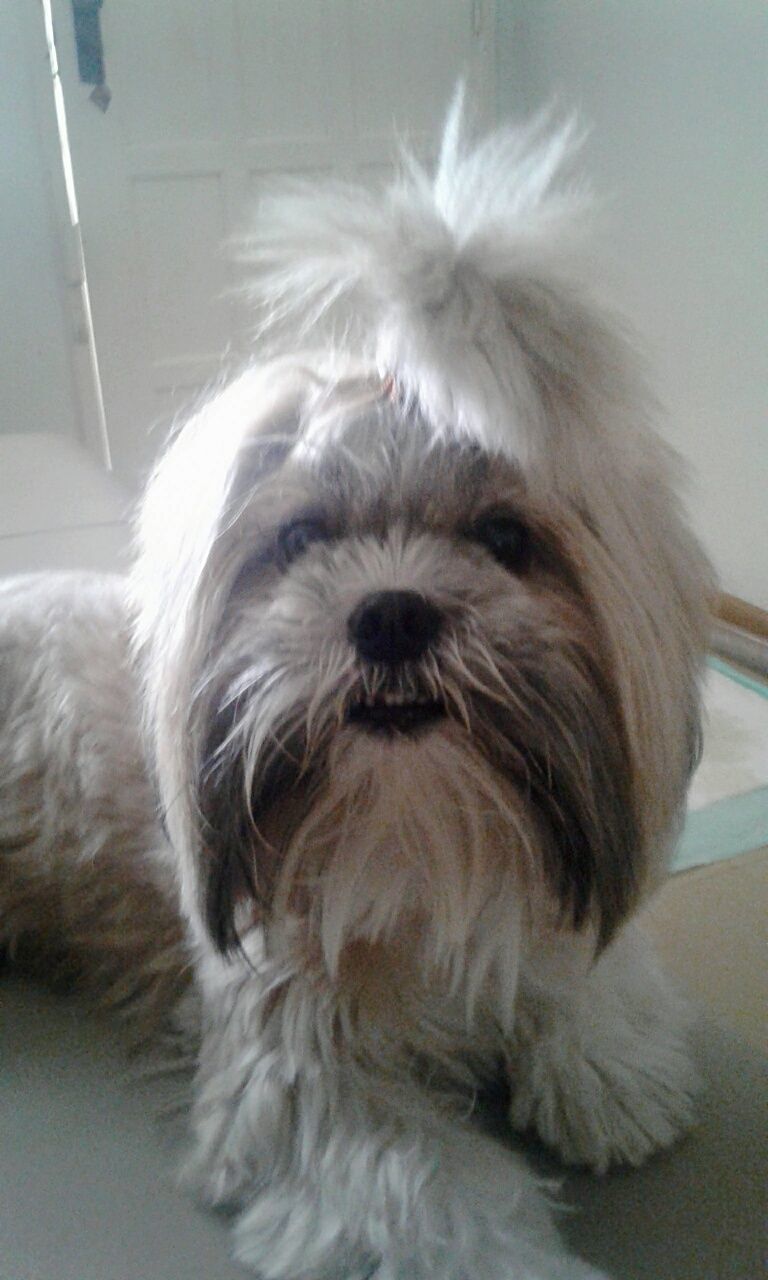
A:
[(338, 1171), (601, 1066)]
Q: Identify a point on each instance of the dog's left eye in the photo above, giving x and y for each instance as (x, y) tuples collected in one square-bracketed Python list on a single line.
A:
[(506, 537), (294, 538)]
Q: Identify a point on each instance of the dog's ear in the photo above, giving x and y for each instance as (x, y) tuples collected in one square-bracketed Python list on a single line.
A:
[(595, 860), (233, 867), (186, 560), (229, 849), (238, 863)]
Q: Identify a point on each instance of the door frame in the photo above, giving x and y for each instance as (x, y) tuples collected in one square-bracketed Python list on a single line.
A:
[(66, 240)]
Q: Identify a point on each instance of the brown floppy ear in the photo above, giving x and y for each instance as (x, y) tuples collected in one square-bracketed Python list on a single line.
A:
[(238, 863), (229, 849), (592, 860), (594, 857)]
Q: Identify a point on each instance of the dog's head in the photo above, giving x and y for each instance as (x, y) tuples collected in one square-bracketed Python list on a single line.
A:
[(421, 625)]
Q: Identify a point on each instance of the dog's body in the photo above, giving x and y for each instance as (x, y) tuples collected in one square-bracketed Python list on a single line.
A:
[(411, 656)]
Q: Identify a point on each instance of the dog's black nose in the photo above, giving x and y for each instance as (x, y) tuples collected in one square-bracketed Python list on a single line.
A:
[(393, 626)]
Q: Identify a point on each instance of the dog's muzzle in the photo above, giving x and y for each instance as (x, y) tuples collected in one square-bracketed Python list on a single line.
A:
[(390, 629)]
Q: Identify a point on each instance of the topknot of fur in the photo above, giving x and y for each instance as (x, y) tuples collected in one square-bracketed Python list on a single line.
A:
[(417, 280)]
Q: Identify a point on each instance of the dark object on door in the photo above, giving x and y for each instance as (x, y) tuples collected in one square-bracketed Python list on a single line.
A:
[(90, 49)]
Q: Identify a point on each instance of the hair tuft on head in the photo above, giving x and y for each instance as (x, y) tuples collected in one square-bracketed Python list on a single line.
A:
[(414, 277)]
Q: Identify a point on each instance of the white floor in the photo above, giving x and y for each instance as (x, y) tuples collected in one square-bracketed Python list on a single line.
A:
[(59, 509)]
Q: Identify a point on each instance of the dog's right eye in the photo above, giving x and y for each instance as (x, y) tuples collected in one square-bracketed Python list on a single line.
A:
[(294, 538), (507, 539)]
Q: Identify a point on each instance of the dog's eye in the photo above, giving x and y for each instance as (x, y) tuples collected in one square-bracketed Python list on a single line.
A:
[(506, 537), (294, 538)]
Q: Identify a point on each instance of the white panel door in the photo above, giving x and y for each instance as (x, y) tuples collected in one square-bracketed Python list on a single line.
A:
[(208, 99)]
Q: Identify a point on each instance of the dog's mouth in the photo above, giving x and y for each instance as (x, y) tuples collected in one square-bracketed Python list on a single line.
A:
[(394, 713)]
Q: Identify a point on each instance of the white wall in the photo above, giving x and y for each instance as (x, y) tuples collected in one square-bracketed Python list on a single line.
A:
[(677, 94), (36, 375)]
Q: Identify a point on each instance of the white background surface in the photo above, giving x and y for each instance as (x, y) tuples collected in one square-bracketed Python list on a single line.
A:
[(676, 92)]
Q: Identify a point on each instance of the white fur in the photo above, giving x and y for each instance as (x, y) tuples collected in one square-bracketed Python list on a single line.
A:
[(413, 912)]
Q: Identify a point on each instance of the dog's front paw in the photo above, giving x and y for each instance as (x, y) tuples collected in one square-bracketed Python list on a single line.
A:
[(605, 1096)]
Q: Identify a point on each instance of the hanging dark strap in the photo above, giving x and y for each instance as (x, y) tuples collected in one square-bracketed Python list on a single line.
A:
[(90, 49)]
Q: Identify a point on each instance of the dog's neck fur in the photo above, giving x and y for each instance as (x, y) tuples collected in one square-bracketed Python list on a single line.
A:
[(408, 851)]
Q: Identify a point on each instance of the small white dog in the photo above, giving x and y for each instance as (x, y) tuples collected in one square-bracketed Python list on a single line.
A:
[(397, 715)]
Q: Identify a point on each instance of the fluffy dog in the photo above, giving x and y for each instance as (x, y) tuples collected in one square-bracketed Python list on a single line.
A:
[(396, 714)]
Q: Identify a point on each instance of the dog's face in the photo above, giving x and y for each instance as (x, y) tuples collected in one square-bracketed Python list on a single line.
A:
[(405, 710)]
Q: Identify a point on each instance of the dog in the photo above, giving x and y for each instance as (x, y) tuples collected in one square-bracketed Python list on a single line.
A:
[(368, 765)]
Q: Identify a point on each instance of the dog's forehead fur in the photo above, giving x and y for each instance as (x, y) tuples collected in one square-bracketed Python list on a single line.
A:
[(385, 464)]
